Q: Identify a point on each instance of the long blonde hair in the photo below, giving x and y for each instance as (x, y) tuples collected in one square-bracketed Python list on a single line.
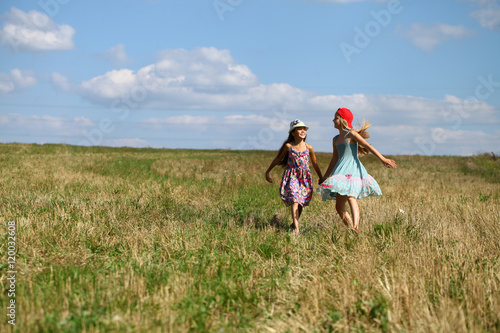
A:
[(362, 130)]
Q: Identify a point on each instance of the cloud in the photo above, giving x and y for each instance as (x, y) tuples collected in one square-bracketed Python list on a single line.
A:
[(16, 80), (488, 14), (116, 55), (433, 134), (44, 125), (127, 142), (256, 115), (112, 85), (35, 31), (427, 37), (178, 121), (440, 140), (60, 82), (204, 78), (488, 18), (210, 79), (387, 110), (205, 69)]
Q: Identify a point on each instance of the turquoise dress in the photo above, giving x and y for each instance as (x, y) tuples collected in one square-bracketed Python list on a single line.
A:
[(349, 176)]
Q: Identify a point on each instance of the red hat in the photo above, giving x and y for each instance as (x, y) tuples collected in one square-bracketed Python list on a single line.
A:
[(347, 115)]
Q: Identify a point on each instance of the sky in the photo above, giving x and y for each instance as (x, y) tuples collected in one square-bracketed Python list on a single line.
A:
[(233, 74)]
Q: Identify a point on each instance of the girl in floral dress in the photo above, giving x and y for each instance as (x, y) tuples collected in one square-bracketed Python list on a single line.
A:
[(346, 178), (296, 184)]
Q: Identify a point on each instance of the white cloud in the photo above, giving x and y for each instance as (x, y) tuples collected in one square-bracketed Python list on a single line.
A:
[(398, 109), (387, 110), (116, 55), (60, 82), (197, 123), (16, 80), (23, 79), (427, 37), (127, 142), (209, 79), (178, 121), (440, 140), (44, 124), (83, 122), (253, 120), (488, 17), (35, 31), (488, 14), (401, 124), (112, 85), (205, 78), (205, 69), (265, 132)]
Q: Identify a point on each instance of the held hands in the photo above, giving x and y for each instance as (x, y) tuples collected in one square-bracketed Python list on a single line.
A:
[(389, 163)]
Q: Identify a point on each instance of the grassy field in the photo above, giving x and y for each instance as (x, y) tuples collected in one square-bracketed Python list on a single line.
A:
[(140, 240)]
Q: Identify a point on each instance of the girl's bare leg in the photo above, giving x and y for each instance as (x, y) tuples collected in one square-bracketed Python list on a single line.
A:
[(341, 210), (296, 211), (354, 211)]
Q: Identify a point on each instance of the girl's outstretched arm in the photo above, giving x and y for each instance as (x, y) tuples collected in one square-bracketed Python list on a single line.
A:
[(335, 158), (387, 162), (313, 161), (275, 162)]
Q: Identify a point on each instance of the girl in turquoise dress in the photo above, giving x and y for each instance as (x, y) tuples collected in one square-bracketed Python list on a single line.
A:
[(296, 184), (348, 179)]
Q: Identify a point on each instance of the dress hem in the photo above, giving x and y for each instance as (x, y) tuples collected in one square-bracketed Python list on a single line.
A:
[(326, 194)]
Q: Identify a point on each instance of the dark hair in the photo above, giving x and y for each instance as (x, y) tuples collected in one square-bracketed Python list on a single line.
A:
[(284, 161)]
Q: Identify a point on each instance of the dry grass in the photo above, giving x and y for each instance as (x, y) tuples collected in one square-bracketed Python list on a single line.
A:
[(176, 240)]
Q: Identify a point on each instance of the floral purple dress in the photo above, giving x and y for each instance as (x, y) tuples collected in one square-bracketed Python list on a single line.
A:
[(296, 184)]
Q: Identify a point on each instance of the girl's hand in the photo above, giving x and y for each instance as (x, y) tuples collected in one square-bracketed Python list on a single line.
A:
[(390, 163), (268, 178)]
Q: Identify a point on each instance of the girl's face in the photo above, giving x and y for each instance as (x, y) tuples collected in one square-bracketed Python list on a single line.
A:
[(336, 121), (299, 132)]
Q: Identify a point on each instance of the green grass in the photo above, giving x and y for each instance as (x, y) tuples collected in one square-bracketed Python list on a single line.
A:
[(484, 165), (122, 239)]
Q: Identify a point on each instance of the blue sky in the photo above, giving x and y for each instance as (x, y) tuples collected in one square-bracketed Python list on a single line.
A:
[(233, 74)]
